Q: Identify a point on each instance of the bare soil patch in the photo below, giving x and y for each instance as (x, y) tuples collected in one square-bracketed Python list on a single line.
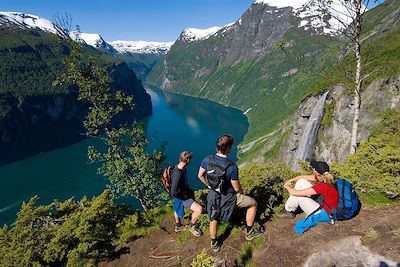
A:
[(282, 246)]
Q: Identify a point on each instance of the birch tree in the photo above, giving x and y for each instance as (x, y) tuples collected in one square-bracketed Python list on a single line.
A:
[(347, 16)]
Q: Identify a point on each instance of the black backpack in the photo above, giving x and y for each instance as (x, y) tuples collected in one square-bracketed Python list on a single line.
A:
[(216, 175)]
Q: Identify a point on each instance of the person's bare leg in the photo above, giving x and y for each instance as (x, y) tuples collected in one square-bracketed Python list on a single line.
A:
[(177, 220), (213, 229), (251, 214), (196, 212)]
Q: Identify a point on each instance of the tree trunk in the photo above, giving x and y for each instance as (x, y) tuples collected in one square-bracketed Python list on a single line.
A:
[(358, 80)]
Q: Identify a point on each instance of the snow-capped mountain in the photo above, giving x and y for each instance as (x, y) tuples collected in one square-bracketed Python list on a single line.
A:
[(141, 47), (310, 15), (194, 34), (95, 40), (30, 21)]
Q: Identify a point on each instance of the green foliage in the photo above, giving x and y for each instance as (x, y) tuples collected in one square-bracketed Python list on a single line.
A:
[(247, 249), (140, 224), (203, 260), (328, 115), (375, 167), (129, 168), (381, 56), (68, 233), (265, 184), (73, 233), (31, 61)]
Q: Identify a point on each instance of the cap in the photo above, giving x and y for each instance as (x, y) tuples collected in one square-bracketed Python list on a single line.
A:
[(320, 166)]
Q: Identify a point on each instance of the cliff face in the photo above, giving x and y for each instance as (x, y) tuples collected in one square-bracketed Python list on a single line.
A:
[(34, 124), (333, 140)]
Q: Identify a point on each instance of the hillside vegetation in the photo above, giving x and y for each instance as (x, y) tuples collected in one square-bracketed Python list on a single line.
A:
[(74, 233), (31, 61), (270, 87)]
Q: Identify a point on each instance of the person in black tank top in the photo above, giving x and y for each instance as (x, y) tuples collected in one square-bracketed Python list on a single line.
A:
[(184, 196)]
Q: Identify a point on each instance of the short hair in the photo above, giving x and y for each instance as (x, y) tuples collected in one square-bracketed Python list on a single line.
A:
[(224, 143), (185, 156)]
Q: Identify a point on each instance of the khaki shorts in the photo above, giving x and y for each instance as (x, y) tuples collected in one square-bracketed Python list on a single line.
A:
[(243, 201)]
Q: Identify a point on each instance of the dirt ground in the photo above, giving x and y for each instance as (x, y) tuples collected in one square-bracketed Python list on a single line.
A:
[(282, 246)]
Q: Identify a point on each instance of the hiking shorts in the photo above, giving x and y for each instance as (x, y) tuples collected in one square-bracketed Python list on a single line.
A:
[(243, 201), (188, 203)]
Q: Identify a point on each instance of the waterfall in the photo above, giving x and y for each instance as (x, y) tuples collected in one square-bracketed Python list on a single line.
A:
[(305, 150)]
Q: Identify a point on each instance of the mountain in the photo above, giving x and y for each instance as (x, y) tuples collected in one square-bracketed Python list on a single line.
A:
[(31, 53), (141, 56), (95, 40), (28, 21), (270, 60), (261, 64)]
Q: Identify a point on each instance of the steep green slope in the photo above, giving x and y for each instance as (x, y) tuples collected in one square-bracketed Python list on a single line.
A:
[(270, 83), (29, 103), (263, 69), (32, 59)]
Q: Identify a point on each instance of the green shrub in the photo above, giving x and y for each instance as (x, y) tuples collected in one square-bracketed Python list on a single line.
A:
[(265, 184), (375, 168), (203, 260)]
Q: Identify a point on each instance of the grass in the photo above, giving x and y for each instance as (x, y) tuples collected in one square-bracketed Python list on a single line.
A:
[(183, 236), (396, 233), (246, 251), (371, 235)]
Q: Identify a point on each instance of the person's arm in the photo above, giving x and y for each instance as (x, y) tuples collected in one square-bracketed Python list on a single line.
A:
[(237, 186), (300, 193), (202, 176), (310, 178), (233, 174)]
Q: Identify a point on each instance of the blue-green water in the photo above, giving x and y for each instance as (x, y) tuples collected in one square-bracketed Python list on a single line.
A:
[(185, 123)]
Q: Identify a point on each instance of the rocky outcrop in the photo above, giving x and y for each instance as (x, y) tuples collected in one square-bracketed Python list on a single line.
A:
[(347, 252), (36, 124), (333, 140), (308, 138)]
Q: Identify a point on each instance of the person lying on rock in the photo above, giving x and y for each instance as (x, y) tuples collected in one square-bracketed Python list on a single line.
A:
[(184, 195), (300, 197)]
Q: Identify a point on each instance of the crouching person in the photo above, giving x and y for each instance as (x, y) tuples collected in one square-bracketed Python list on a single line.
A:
[(321, 182), (184, 196), (220, 175)]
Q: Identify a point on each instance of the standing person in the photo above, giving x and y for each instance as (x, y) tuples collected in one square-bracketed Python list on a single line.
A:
[(300, 197), (183, 195), (220, 174)]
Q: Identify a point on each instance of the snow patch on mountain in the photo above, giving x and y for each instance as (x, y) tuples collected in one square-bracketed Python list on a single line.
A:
[(311, 15), (282, 3), (141, 47), (194, 34), (92, 39), (30, 21)]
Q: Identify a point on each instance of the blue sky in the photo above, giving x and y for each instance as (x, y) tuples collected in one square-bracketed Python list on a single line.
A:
[(149, 20)]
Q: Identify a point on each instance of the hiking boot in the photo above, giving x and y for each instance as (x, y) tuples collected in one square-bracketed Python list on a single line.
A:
[(253, 233), (179, 228), (215, 246), (283, 214), (194, 229)]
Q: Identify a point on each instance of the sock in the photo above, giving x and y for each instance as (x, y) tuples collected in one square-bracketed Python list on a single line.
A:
[(248, 228)]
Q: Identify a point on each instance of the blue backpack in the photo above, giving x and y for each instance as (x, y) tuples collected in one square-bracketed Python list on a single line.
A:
[(349, 204)]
